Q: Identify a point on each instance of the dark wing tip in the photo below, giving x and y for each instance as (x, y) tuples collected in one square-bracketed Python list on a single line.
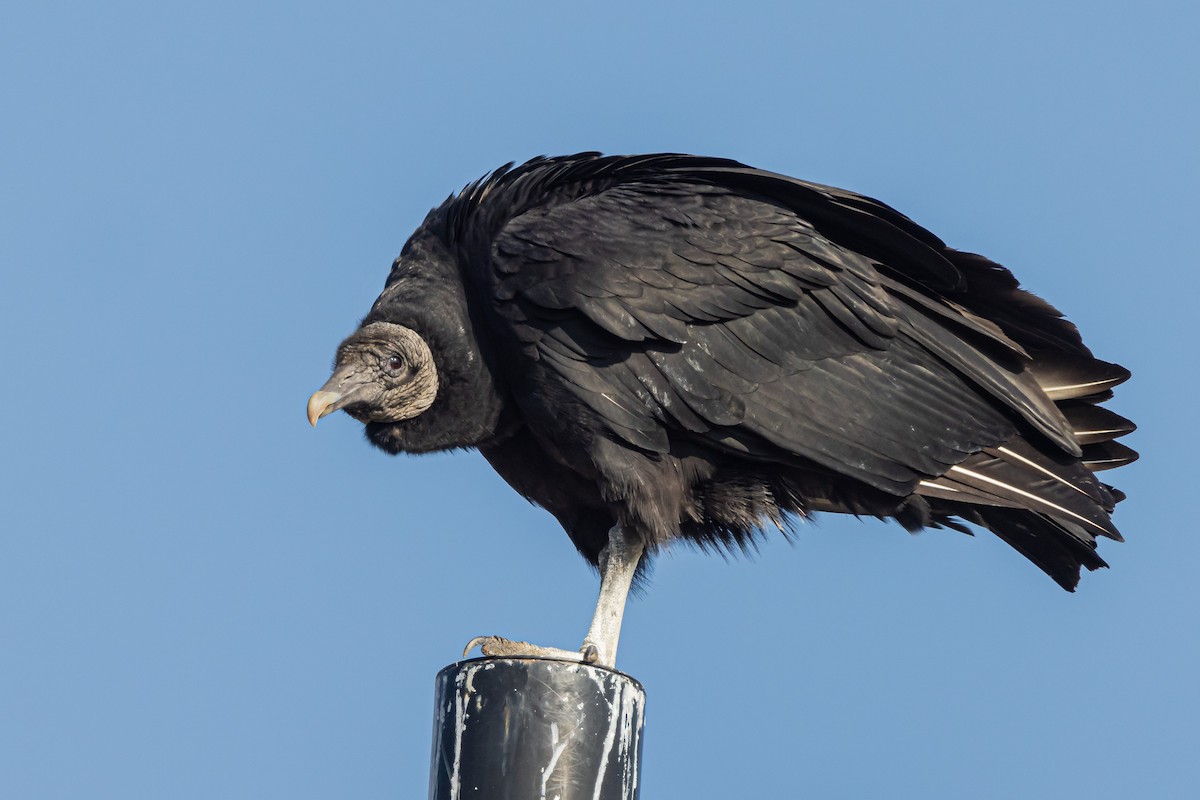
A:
[(1108, 455), (1094, 424), (1065, 376)]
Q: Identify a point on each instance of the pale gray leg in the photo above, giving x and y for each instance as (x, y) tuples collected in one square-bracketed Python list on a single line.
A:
[(618, 563)]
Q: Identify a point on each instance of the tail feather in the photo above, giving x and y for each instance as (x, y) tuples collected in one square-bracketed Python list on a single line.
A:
[(1056, 548), (1050, 511), (1016, 475)]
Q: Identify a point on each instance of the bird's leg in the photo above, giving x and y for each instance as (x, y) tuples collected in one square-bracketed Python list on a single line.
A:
[(618, 563)]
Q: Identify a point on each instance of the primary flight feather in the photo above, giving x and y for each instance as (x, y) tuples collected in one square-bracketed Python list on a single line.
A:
[(672, 347)]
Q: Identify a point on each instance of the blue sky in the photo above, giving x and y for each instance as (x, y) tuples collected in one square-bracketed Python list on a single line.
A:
[(201, 597)]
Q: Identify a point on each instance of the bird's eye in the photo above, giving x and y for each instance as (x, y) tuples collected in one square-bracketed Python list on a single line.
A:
[(393, 363)]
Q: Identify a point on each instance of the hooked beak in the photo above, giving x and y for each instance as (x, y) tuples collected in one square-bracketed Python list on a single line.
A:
[(343, 388), (322, 403)]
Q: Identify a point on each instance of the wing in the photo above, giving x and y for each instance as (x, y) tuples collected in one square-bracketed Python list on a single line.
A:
[(789, 322)]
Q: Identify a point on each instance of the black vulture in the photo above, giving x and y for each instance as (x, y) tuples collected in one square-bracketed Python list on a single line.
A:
[(667, 347)]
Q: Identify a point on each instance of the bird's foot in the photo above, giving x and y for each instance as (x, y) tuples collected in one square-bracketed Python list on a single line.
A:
[(499, 646)]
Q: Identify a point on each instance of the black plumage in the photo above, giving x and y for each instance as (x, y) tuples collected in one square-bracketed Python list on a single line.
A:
[(689, 348)]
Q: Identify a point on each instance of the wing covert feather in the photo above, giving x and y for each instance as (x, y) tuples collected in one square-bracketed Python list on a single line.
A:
[(717, 314)]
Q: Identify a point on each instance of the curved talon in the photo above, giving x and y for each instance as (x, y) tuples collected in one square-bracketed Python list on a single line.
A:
[(481, 642), (499, 646)]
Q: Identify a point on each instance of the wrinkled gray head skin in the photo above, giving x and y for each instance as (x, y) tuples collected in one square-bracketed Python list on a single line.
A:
[(384, 373)]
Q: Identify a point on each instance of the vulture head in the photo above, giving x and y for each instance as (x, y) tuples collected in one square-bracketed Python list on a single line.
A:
[(384, 373)]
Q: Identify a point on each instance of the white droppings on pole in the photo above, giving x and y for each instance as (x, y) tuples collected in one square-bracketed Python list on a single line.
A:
[(528, 728), (460, 725), (556, 750)]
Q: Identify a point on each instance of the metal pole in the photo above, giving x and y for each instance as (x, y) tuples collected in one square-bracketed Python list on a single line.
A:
[(534, 729)]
